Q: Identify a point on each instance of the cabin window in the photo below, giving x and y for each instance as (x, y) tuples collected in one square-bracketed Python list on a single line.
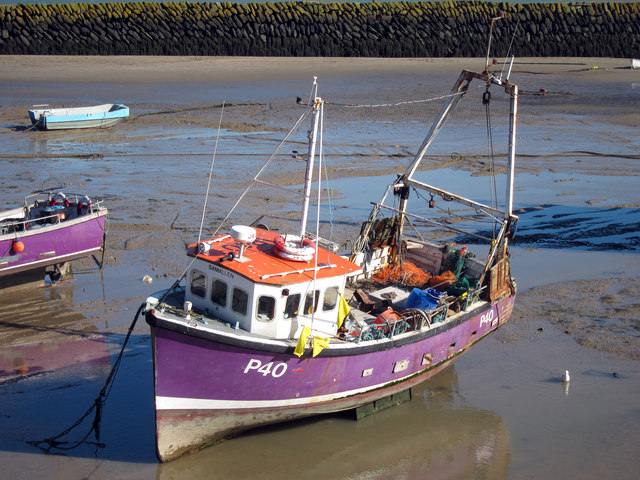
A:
[(266, 308), (219, 292), (292, 305), (198, 283), (330, 299), (311, 302), (239, 301)]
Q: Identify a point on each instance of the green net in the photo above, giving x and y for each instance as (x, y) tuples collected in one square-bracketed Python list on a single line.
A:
[(454, 258)]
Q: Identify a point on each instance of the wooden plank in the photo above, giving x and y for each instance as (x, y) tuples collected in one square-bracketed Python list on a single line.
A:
[(499, 284), (382, 404)]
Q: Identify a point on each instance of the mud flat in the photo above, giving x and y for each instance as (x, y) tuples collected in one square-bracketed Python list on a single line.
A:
[(575, 257)]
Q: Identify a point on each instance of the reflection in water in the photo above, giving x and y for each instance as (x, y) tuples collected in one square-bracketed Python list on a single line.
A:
[(433, 436), (46, 386), (40, 313), (50, 352), (428, 437), (41, 330), (40, 357)]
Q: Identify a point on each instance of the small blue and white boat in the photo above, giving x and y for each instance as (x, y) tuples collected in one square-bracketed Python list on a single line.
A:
[(99, 116)]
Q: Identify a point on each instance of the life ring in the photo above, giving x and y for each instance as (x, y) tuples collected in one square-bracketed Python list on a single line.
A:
[(59, 197), (290, 247), (294, 258)]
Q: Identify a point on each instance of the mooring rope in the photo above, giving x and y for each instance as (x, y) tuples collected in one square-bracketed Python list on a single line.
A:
[(408, 102), (53, 442), (35, 125)]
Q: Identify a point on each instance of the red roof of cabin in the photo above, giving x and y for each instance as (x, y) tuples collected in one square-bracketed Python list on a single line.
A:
[(262, 265)]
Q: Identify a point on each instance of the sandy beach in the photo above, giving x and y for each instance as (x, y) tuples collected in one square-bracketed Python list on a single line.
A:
[(499, 410), (185, 70)]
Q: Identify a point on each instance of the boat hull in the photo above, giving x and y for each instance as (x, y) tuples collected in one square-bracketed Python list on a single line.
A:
[(207, 389), (66, 124), (101, 116), (53, 244)]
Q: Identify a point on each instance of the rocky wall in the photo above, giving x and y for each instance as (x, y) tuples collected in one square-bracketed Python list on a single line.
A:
[(394, 29)]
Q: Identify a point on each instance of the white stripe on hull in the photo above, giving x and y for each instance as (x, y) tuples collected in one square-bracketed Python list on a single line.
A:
[(178, 403), (48, 261)]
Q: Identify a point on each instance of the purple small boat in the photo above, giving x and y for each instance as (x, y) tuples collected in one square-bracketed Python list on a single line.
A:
[(269, 327), (52, 228)]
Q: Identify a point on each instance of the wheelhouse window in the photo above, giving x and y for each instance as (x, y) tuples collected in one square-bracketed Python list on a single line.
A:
[(239, 301), (311, 302), (266, 308), (292, 305), (198, 283), (219, 292), (330, 299)]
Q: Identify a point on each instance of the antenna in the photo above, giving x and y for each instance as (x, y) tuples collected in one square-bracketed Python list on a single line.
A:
[(486, 63)]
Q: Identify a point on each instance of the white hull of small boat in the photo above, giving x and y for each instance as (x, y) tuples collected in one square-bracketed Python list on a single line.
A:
[(99, 116)]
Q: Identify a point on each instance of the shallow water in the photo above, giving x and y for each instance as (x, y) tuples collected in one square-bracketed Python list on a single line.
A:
[(494, 414)]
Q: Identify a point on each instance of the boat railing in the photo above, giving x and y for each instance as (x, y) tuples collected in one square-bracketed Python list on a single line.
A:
[(20, 225), (323, 242), (406, 320), (38, 216)]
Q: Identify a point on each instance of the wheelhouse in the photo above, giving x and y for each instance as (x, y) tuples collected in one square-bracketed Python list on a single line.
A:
[(249, 286)]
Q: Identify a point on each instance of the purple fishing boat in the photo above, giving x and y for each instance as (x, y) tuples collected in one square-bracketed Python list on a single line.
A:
[(266, 327), (48, 231)]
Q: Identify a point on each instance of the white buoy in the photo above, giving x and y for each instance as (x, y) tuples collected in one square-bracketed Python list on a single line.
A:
[(565, 377), (147, 279)]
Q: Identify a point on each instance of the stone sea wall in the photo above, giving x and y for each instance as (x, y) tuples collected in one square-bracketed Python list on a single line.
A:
[(394, 29)]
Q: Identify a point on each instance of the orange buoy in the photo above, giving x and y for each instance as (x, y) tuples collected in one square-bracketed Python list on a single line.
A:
[(18, 246)]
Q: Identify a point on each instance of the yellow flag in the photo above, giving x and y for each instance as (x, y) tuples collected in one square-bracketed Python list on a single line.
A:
[(302, 341), (319, 344), (343, 310)]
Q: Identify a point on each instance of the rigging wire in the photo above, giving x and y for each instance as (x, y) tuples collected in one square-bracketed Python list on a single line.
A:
[(319, 193), (327, 180), (215, 149), (492, 164), (269, 160), (508, 55), (458, 212)]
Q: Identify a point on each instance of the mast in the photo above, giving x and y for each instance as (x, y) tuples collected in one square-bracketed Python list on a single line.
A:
[(313, 135)]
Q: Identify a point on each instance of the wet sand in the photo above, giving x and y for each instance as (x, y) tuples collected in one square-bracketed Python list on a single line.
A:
[(496, 412)]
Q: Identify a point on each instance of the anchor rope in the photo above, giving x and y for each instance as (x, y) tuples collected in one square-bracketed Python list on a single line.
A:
[(98, 404)]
